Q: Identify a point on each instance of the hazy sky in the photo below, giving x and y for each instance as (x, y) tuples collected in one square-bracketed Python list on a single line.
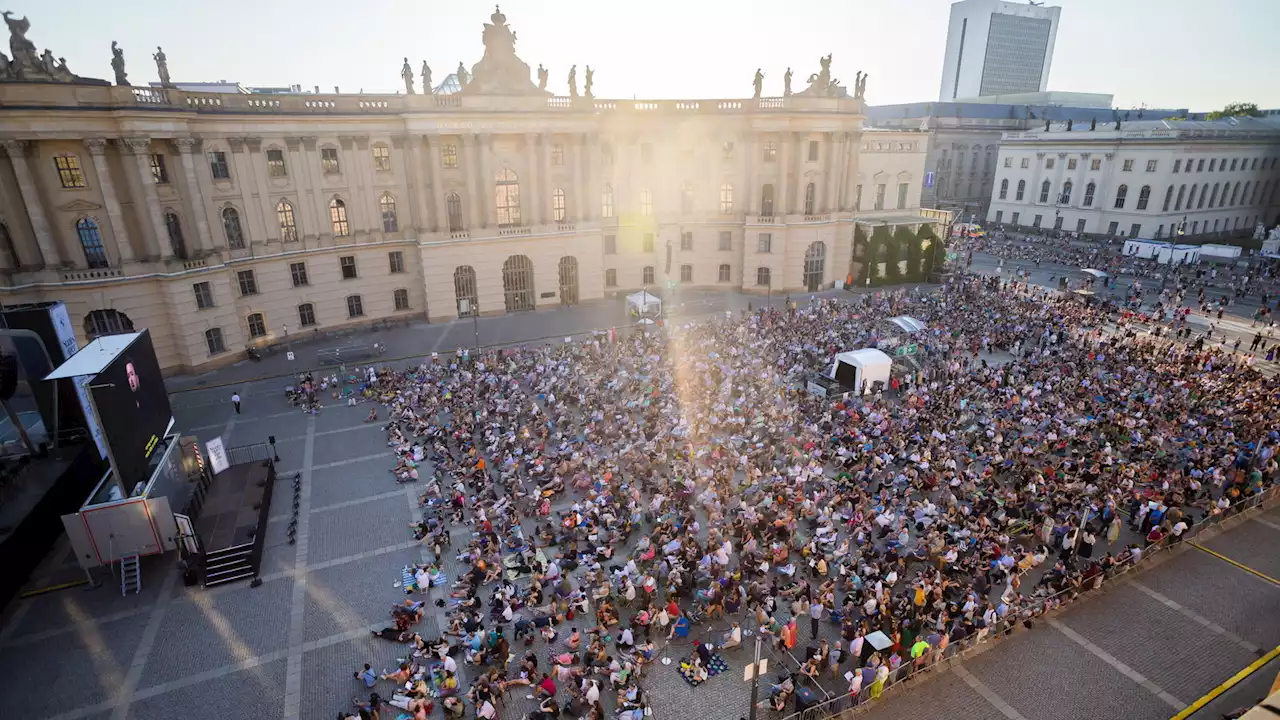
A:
[(1164, 53)]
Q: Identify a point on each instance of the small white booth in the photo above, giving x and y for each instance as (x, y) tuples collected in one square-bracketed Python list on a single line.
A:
[(907, 324), (1162, 252), (1213, 251), (869, 365), (644, 305)]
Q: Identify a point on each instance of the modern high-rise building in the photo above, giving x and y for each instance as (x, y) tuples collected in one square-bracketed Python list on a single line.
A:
[(997, 48)]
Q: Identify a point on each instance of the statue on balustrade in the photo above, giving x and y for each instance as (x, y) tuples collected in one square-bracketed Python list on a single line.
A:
[(573, 81), (117, 64), (821, 83), (586, 87), (786, 83), (406, 73), (162, 67), (426, 78), (500, 71), (463, 78), (542, 77), (860, 91), (30, 65), (758, 84)]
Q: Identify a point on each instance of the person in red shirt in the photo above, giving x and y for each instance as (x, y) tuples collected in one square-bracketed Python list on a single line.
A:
[(673, 609), (546, 688)]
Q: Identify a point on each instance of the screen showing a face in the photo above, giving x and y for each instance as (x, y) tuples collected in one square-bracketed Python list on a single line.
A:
[(133, 407)]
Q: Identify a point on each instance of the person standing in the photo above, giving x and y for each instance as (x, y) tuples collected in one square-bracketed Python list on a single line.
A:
[(235, 400), (815, 615)]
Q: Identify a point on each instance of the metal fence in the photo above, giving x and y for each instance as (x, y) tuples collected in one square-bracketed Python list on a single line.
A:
[(243, 454), (958, 651)]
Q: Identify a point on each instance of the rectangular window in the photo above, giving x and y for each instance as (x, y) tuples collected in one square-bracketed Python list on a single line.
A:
[(329, 162), (381, 157), (999, 216), (248, 283), (648, 243), (298, 272), (770, 151), (557, 154), (213, 337), (257, 325), (1159, 232), (1212, 162), (1113, 229), (1151, 166), (611, 278), (347, 263), (401, 299), (686, 273), (764, 243), (879, 196), (1095, 164), (1036, 223), (355, 306), (1233, 164), (306, 315), (610, 244), (1026, 163), (1080, 225), (1008, 162), (449, 156), (1014, 218), (396, 259), (1057, 223), (1135, 229), (686, 241), (1200, 165), (1071, 163), (158, 169), (726, 240), (1127, 166), (69, 172), (646, 275), (1048, 164), (275, 164), (1177, 165), (813, 151), (218, 166), (902, 195), (204, 295)]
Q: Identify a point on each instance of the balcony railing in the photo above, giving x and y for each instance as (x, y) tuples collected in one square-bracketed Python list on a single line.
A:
[(818, 218), (92, 274), (514, 231), (459, 234)]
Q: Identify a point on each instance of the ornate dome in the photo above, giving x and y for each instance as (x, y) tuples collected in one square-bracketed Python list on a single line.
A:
[(497, 17)]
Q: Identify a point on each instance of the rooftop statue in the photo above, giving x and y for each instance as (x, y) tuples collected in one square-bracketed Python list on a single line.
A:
[(821, 84), (406, 74), (31, 65), (426, 78), (500, 71), (117, 64), (162, 67)]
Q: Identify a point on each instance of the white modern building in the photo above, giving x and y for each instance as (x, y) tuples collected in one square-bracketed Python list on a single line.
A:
[(997, 48), (1143, 179)]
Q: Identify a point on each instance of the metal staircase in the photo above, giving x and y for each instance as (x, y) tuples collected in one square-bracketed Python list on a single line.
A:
[(130, 575)]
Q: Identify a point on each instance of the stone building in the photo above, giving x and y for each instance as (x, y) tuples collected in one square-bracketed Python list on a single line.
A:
[(223, 220)]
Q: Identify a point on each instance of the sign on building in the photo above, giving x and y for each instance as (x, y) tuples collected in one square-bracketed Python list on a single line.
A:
[(217, 455)]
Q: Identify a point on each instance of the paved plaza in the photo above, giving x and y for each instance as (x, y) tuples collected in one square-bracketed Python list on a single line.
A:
[(1141, 649)]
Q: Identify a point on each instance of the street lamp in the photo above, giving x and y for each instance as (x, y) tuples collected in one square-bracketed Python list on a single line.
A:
[(468, 309)]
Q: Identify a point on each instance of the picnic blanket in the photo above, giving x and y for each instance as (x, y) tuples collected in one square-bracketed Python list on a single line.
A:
[(717, 666)]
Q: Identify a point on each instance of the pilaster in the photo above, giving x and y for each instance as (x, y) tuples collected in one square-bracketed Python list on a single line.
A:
[(115, 214), (187, 147), (17, 150), (149, 207)]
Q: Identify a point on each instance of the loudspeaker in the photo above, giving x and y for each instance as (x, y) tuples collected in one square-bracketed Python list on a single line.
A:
[(8, 376)]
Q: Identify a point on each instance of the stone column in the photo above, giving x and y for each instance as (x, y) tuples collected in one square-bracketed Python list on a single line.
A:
[(747, 193), (544, 180), (1034, 191), (149, 208), (298, 161), (195, 200), (1077, 192), (367, 195), (318, 209), (591, 192), (435, 171), (783, 196), (17, 150), (98, 152), (485, 148), (831, 151), (244, 179), (471, 171), (579, 159), (262, 188), (413, 189), (533, 213), (351, 173)]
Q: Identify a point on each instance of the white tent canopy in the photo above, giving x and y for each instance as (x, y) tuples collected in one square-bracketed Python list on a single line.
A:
[(858, 367), (94, 357), (1096, 273), (644, 303), (907, 324)]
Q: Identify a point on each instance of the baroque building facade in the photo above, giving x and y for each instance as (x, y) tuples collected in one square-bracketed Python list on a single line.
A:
[(224, 220)]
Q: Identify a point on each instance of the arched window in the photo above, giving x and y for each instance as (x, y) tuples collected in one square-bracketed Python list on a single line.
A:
[(1022, 190), (1191, 197), (766, 201), (338, 218), (558, 212), (1204, 194), (763, 278), (726, 199), (646, 202), (91, 241), (1244, 196), (288, 226), (1066, 193), (810, 199), (387, 206), (453, 208), (686, 199), (723, 275), (106, 322), (568, 272), (606, 201), (815, 265), (1182, 191), (646, 275), (231, 227), (213, 339), (1088, 194), (1144, 196), (1122, 192), (506, 197), (464, 291), (1168, 198), (307, 315), (10, 250), (1044, 191), (1213, 198), (686, 273), (176, 241), (1235, 194), (517, 283), (1004, 189)]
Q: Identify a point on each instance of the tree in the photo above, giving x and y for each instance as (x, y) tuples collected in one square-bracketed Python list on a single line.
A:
[(935, 256), (910, 245), (865, 252), (892, 253), (1235, 110)]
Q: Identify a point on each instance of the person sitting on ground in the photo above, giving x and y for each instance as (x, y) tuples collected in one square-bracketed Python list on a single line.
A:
[(732, 638)]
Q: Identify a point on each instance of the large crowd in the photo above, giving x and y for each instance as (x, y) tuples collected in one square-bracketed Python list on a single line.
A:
[(608, 498)]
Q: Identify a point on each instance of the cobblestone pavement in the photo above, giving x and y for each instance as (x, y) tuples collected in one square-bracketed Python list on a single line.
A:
[(288, 649)]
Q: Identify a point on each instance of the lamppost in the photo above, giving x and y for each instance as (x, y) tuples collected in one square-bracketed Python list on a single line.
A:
[(468, 309), (755, 678), (1059, 201)]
